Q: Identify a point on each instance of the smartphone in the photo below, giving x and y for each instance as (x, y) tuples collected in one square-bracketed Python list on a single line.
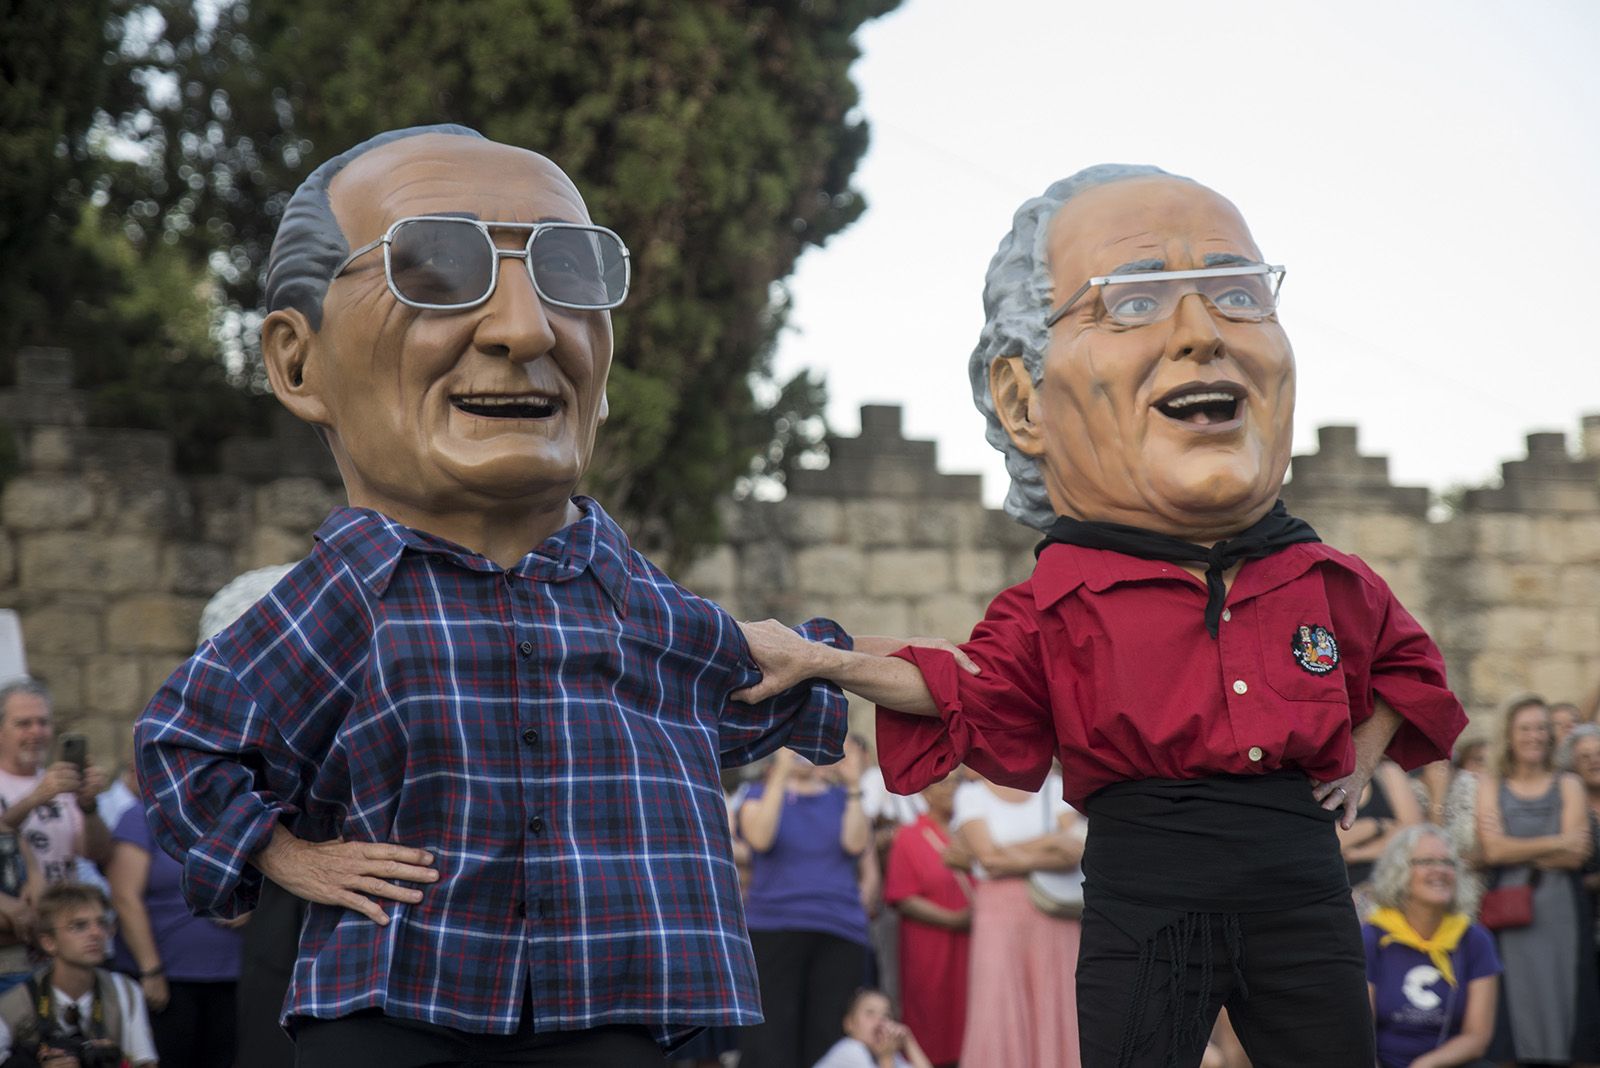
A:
[(75, 749)]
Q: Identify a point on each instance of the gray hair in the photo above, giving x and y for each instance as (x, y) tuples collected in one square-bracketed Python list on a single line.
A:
[(1391, 876), (237, 597), (309, 245), (1017, 298), (22, 685), (1570, 742)]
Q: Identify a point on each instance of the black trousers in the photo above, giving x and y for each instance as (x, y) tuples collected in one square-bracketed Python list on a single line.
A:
[(1303, 1003), (807, 980), (371, 1038), (196, 1029)]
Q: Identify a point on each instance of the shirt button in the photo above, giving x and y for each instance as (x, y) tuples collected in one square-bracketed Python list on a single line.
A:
[(1255, 752), (1240, 687), (531, 735), (525, 648), (536, 825), (1227, 616)]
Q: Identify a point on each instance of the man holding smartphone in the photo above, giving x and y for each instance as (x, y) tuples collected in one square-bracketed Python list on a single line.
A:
[(51, 804)]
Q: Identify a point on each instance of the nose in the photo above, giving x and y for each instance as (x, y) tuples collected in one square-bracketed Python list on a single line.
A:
[(1194, 332), (514, 323)]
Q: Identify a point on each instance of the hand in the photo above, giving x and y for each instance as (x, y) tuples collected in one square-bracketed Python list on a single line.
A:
[(348, 874), (156, 991), (59, 778), (784, 657), (781, 768), (890, 1037), (232, 923), (854, 763), (50, 1057), (1343, 793), (94, 784), (956, 855), (948, 646), (19, 913)]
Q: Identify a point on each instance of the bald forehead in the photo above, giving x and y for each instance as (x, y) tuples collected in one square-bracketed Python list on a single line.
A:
[(443, 173), (1138, 218)]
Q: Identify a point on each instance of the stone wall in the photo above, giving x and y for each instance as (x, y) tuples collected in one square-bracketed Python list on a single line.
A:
[(108, 555)]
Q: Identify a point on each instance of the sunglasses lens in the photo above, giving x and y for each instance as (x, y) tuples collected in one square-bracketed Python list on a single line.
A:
[(579, 266), (440, 261)]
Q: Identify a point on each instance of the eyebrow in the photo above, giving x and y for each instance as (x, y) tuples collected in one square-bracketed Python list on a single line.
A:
[(1229, 259), (1137, 266)]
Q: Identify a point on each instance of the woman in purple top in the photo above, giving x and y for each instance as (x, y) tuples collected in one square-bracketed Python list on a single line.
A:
[(187, 966), (807, 924)]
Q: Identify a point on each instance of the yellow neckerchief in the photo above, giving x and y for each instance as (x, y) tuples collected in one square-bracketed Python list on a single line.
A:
[(1397, 928)]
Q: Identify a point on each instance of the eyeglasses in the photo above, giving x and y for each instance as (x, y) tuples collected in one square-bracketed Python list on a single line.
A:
[(83, 926), (1432, 862), (1246, 294), (445, 263)]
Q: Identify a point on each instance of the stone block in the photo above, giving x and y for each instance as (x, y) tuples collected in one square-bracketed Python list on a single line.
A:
[(222, 509), (810, 520), (766, 567), (296, 504), (1496, 677), (980, 571), (874, 615), (1561, 539), (945, 524), (153, 623), (126, 454), (876, 523), (834, 570), (155, 668), (1507, 534), (1579, 586), (146, 506), (747, 520), (1000, 531), (1559, 678), (114, 684), (1575, 631), (63, 674), (908, 572), (196, 568), (68, 629), (8, 560), (1453, 539), (715, 574), (274, 545), (1388, 536), (117, 563), (46, 503), (946, 615), (1018, 566), (1510, 629), (52, 449)]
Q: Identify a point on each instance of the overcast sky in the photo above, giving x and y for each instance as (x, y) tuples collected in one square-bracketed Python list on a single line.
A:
[(1429, 172)]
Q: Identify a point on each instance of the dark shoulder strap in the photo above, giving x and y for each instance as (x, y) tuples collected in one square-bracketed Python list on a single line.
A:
[(109, 991)]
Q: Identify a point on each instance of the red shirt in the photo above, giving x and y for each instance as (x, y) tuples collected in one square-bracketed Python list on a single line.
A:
[(933, 960), (1103, 660)]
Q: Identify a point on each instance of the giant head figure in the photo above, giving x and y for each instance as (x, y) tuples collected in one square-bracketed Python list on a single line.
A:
[(438, 309), (1131, 365)]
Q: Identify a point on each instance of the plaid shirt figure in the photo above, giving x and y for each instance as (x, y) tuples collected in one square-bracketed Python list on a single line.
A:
[(552, 733)]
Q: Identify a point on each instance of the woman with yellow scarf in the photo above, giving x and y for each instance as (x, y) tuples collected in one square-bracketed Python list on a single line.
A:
[(1433, 974)]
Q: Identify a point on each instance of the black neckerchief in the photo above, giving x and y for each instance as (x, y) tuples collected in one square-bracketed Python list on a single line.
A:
[(1274, 531)]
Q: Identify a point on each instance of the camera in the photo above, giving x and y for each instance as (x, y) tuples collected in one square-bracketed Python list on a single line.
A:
[(91, 1052)]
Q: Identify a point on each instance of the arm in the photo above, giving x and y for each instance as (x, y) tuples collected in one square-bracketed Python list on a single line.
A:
[(1477, 1028), (1048, 852), (869, 882), (758, 819), (855, 830), (1501, 850), (95, 840), (1369, 740), (786, 659), (1573, 851), (924, 911), (129, 875), (59, 778)]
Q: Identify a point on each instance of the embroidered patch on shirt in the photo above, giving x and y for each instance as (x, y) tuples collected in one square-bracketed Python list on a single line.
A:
[(1315, 648)]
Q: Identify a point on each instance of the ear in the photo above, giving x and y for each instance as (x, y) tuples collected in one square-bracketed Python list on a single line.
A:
[(287, 341), (1011, 390)]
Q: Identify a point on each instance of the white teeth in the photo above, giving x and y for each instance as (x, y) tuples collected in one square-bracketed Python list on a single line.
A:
[(1190, 399), (500, 399)]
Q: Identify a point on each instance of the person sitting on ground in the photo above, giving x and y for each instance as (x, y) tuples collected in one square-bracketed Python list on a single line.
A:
[(873, 1038), (1433, 974), (74, 1013)]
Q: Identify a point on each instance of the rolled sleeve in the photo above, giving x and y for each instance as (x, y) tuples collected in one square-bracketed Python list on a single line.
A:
[(998, 722), (811, 718), (1408, 675), (215, 775)]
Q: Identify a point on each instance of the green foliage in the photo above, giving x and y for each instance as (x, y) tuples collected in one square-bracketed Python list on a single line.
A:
[(717, 137)]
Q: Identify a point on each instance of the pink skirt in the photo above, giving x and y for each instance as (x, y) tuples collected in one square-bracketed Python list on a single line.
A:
[(1022, 1008)]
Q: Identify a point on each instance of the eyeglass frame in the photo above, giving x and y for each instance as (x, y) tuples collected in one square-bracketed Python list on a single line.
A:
[(496, 255), (1277, 270)]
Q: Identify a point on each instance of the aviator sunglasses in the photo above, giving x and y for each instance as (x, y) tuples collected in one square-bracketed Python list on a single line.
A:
[(450, 263)]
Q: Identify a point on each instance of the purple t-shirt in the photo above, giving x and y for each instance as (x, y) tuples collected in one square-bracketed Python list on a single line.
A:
[(806, 881), (1413, 1001), (192, 949)]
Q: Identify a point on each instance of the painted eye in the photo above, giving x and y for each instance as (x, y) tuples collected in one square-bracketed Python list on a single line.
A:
[(1136, 308), (1238, 300)]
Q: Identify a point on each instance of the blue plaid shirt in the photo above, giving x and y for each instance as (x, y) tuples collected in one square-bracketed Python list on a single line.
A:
[(552, 733)]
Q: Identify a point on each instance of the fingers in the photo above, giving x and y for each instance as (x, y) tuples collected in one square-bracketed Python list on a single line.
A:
[(754, 695), (1349, 818), (965, 661), (364, 905)]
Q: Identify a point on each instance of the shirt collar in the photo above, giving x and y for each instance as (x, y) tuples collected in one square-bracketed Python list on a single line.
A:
[(1063, 568), (372, 544)]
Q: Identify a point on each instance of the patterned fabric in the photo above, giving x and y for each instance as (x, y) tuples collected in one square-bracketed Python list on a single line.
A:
[(551, 732)]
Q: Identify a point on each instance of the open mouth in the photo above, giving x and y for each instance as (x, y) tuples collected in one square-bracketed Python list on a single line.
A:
[(1203, 403), (507, 405)]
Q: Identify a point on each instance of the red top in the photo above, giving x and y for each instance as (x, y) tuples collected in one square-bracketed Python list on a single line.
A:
[(933, 960), (1103, 660)]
